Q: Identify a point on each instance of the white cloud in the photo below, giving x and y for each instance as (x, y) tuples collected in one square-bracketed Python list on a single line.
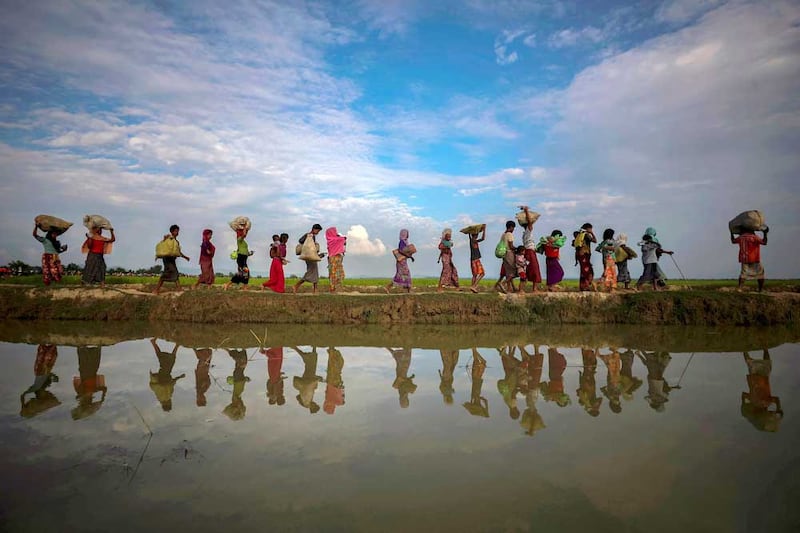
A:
[(575, 37), (502, 42), (359, 243)]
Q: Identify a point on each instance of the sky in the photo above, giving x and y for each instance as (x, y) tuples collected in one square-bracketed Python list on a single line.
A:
[(377, 115)]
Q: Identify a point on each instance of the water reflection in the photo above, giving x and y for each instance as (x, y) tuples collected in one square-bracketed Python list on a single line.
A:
[(41, 399), (237, 409), (403, 382), (519, 370), (757, 401), (161, 383), (88, 383), (306, 384)]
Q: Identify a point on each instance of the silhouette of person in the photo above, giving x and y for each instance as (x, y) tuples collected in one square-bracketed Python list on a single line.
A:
[(477, 404), (334, 388), (531, 420), (43, 377), (403, 382), (162, 383), (306, 384), (553, 390), (237, 409), (757, 402), (88, 382), (275, 394), (446, 377), (202, 379), (587, 385), (507, 387), (657, 387), (613, 388), (628, 382)]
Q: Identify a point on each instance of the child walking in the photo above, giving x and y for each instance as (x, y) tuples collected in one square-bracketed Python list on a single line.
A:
[(475, 258), (623, 254), (521, 262)]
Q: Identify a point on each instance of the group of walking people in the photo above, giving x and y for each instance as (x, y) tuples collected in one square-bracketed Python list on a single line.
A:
[(518, 261)]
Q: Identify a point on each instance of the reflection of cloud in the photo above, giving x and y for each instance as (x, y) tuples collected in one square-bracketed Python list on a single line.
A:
[(358, 242)]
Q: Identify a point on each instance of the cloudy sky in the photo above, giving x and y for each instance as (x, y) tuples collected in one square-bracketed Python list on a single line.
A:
[(373, 115)]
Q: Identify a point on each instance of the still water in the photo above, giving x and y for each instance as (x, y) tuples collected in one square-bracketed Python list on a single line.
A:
[(321, 428)]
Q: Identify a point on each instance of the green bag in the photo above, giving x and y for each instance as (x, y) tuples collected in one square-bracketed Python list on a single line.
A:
[(501, 248)]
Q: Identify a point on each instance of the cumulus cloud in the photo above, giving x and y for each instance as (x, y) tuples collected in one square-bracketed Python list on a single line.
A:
[(359, 243)]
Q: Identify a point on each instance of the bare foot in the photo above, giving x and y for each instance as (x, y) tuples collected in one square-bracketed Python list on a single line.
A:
[(386, 289)]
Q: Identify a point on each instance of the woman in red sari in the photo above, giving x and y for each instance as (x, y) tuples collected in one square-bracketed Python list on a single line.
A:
[(277, 281), (206, 260)]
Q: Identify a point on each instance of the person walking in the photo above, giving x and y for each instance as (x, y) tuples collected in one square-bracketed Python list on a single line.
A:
[(312, 264)]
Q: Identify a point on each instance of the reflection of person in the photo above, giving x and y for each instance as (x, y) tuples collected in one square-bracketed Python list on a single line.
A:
[(275, 377), (477, 404), (531, 420), (403, 382), (162, 383), (88, 382), (628, 381), (306, 384), (553, 390), (449, 364), (508, 385), (613, 387), (43, 399), (236, 409), (587, 385), (657, 388), (756, 403), (202, 379), (334, 389)]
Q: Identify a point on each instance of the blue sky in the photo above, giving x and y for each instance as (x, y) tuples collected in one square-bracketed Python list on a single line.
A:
[(376, 115)]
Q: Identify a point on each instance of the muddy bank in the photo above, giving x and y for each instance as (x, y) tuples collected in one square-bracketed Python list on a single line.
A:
[(681, 339), (680, 308)]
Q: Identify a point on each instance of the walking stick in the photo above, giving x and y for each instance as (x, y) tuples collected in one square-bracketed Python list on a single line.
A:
[(679, 271)]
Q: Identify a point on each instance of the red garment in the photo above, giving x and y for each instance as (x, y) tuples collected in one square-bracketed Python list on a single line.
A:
[(551, 251), (96, 246), (274, 362), (277, 280), (749, 247), (532, 272)]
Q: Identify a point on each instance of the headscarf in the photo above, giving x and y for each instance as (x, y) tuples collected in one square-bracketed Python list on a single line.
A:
[(652, 233), (403, 239), (207, 234), (447, 243), (336, 242)]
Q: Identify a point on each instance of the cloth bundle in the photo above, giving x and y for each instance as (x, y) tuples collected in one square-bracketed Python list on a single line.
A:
[(49, 223), (169, 247), (473, 229), (240, 223), (532, 217), (309, 250), (96, 221), (747, 221)]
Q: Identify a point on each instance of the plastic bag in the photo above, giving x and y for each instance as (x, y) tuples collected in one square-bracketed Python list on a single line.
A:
[(240, 223), (97, 221), (169, 247), (501, 248), (48, 223), (747, 221)]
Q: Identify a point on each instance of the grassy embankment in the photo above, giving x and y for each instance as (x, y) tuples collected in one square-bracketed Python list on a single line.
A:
[(369, 305)]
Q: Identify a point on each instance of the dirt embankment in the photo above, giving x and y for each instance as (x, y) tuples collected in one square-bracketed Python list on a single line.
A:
[(709, 307)]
